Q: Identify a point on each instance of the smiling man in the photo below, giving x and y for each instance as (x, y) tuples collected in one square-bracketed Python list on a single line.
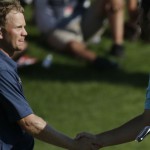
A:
[(13, 32), (18, 123)]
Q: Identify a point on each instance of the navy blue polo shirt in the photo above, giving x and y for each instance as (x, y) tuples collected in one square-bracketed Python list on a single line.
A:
[(13, 107)]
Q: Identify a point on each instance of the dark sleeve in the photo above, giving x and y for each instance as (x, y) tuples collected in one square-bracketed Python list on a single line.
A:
[(12, 98), (147, 102)]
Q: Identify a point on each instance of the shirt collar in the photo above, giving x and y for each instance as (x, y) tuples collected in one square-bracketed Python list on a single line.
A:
[(8, 59)]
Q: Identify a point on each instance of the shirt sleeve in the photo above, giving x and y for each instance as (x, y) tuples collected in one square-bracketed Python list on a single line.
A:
[(12, 98), (147, 102)]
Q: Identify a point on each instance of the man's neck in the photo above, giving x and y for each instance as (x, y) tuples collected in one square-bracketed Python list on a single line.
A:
[(4, 52)]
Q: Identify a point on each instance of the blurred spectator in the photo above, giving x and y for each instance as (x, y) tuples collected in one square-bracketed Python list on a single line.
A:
[(132, 29), (68, 24), (115, 14), (145, 20), (120, 26)]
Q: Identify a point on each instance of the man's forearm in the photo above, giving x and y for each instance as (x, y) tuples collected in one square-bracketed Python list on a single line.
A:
[(39, 129), (52, 136), (122, 134)]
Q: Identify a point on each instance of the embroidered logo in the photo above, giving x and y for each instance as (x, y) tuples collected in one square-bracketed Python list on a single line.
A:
[(19, 80)]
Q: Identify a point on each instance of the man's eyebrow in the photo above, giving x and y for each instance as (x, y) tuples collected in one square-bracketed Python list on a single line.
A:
[(20, 26)]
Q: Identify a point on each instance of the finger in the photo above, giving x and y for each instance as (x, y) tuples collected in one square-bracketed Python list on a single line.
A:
[(94, 147), (80, 135)]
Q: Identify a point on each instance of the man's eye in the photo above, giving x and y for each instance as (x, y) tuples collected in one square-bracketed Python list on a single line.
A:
[(19, 27)]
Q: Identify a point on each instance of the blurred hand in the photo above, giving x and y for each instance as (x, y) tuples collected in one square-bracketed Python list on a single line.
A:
[(88, 141), (86, 144), (85, 135)]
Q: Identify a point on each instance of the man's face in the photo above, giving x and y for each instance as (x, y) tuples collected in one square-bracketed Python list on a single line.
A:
[(14, 33)]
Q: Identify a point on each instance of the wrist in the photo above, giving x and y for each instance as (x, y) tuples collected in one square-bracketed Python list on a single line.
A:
[(73, 145), (98, 142)]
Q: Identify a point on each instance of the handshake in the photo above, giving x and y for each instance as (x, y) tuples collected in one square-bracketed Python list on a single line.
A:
[(86, 141)]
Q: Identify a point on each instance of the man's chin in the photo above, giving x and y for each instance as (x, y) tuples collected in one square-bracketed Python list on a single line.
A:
[(21, 48)]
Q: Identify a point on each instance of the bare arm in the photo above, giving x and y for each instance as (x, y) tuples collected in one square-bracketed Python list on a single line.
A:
[(124, 133), (37, 127)]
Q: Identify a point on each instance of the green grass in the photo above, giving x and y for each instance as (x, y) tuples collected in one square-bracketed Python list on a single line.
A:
[(75, 98)]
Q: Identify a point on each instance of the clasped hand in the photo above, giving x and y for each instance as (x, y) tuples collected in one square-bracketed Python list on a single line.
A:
[(86, 141)]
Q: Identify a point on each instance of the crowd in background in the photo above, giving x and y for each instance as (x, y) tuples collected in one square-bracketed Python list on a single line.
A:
[(68, 25)]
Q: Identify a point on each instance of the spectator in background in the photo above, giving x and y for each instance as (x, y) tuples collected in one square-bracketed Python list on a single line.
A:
[(115, 14), (120, 26), (145, 22), (68, 24), (70, 18), (132, 28)]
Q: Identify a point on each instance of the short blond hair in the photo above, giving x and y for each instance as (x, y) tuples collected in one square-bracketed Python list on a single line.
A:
[(6, 6)]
